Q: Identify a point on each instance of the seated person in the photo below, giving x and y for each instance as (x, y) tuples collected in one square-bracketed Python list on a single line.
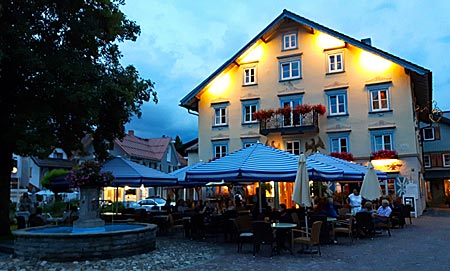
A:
[(383, 213), (284, 216), (328, 208), (368, 207)]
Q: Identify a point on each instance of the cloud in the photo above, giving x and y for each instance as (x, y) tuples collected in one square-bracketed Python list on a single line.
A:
[(183, 42)]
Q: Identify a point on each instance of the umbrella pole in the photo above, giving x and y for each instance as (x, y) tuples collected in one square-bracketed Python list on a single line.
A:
[(260, 198)]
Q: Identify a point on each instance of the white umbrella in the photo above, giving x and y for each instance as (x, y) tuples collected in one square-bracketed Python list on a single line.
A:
[(370, 188), (300, 194)]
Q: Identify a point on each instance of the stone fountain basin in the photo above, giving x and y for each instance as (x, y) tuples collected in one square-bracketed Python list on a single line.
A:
[(58, 243)]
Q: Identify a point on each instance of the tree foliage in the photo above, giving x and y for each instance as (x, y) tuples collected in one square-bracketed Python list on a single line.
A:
[(62, 79)]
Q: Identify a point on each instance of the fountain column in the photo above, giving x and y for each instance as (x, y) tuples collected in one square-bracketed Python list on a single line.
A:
[(89, 217)]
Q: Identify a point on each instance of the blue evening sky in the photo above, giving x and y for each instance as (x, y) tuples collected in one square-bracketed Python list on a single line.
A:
[(182, 42)]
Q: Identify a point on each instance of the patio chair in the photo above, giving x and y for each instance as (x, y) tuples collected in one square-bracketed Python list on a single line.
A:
[(385, 225), (364, 225), (243, 226), (343, 227), (175, 224), (263, 234), (310, 240), (406, 212)]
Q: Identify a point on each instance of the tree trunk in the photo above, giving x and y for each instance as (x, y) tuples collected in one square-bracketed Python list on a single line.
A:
[(5, 192)]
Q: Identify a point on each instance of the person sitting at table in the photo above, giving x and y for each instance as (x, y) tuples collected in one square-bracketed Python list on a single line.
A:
[(284, 216), (383, 213), (368, 208), (328, 209)]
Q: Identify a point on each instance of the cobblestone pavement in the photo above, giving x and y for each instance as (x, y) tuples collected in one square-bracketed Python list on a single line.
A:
[(424, 245)]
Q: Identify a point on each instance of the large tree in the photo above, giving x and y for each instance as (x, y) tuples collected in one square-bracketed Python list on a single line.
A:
[(61, 79)]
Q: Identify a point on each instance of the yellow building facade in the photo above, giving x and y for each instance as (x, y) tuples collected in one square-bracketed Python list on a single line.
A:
[(370, 96)]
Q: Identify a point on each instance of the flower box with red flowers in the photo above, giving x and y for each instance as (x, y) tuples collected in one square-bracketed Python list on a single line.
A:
[(384, 154)]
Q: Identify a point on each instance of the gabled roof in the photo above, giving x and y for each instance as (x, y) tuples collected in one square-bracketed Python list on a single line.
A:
[(420, 75), (54, 163), (148, 148)]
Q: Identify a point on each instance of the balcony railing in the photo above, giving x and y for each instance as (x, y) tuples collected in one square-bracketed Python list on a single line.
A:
[(291, 123)]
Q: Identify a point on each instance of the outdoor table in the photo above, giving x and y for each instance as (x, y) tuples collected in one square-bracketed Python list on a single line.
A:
[(281, 229)]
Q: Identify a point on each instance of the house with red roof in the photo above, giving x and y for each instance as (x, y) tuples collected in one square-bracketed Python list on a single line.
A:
[(157, 153)]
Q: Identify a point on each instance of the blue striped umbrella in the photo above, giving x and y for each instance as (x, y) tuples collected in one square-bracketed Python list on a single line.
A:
[(133, 174), (260, 162), (352, 171)]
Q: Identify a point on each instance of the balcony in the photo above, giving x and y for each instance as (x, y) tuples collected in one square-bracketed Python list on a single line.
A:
[(290, 123)]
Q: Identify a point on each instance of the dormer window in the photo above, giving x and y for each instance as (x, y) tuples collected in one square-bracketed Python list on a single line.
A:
[(249, 76), (290, 41)]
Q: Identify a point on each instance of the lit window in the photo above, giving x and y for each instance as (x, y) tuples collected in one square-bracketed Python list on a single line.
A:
[(289, 41), (290, 70), (427, 161), (446, 159), (249, 108), (337, 102), (250, 76), (379, 98), (293, 147), (335, 62), (428, 133)]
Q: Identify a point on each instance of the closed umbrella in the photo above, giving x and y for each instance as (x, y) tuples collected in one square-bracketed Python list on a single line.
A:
[(300, 194), (370, 188)]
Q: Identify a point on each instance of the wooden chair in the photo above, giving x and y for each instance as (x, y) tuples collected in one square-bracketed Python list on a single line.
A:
[(175, 225), (312, 240), (384, 226), (344, 227), (364, 224), (343, 212), (406, 212), (243, 226), (263, 235)]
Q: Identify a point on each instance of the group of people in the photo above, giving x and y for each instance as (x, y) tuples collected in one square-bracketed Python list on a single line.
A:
[(356, 203)]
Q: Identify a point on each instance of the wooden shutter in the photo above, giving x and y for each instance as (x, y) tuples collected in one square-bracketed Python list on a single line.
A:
[(436, 160), (437, 133)]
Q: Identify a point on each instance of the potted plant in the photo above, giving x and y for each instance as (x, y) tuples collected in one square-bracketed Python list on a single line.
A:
[(89, 178)]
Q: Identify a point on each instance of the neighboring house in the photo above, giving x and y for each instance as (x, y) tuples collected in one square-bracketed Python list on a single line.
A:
[(157, 153), (29, 171), (436, 158), (370, 98)]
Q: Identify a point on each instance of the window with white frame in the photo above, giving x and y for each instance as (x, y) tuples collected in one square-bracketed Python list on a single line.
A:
[(220, 150), (427, 161), (335, 62), (292, 101), (249, 76), (248, 110), (290, 69), (220, 114), (382, 140), (446, 159), (293, 147), (339, 143), (379, 97), (337, 102), (428, 133), (289, 41)]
